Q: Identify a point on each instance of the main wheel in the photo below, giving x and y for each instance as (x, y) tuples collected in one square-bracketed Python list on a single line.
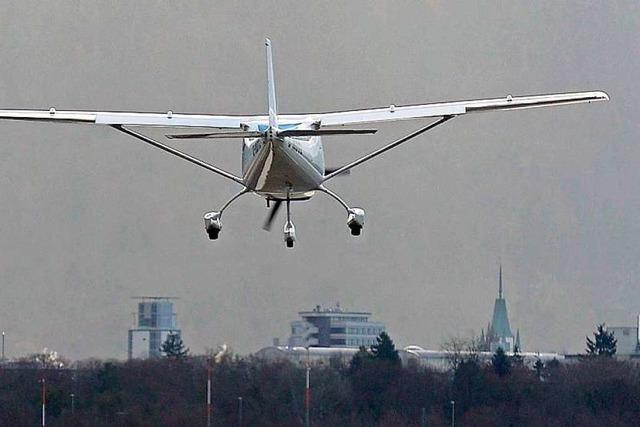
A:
[(355, 229), (289, 243), (213, 233)]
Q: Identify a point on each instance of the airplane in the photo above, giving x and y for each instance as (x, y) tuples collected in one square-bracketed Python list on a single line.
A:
[(282, 154)]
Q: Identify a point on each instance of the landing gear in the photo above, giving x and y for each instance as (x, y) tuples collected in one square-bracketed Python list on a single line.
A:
[(213, 219), (289, 228), (212, 224), (355, 220)]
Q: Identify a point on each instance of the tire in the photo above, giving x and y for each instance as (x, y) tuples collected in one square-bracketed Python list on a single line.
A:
[(355, 230), (213, 233), (289, 243)]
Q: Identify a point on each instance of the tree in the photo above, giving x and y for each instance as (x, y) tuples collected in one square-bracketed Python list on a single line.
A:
[(501, 363), (385, 349), (173, 347), (539, 368), (603, 344), (358, 359), (517, 358)]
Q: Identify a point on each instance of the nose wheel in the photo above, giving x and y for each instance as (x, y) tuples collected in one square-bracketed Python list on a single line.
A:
[(289, 228)]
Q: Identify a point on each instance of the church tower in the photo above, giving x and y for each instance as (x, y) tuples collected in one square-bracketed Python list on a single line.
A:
[(500, 334)]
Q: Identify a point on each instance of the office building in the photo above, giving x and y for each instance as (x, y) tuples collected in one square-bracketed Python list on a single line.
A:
[(334, 327)]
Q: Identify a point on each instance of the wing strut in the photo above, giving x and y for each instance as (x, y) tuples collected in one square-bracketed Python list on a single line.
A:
[(180, 154), (386, 148)]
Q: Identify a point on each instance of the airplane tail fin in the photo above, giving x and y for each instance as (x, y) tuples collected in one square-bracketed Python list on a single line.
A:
[(271, 88)]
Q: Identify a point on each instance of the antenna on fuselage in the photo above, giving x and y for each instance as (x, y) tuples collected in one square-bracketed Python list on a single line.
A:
[(271, 88)]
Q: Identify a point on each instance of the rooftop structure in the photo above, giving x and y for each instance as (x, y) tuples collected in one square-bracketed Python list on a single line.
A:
[(334, 327), (153, 322), (628, 338)]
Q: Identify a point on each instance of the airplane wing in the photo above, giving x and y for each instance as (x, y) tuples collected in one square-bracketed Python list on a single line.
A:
[(456, 108), (112, 118), (445, 111), (121, 121)]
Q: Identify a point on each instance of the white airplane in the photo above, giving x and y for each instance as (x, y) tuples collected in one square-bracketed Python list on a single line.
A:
[(282, 154)]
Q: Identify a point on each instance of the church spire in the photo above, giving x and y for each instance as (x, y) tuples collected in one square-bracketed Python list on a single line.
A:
[(500, 283)]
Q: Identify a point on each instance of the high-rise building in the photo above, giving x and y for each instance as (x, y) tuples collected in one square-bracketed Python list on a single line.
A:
[(499, 333), (334, 327), (153, 322)]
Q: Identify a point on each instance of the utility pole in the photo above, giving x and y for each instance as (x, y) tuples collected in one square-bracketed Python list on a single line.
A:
[(307, 399), (44, 401), (240, 411), (423, 418)]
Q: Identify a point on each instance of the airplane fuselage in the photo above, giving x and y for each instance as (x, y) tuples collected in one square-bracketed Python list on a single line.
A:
[(283, 167)]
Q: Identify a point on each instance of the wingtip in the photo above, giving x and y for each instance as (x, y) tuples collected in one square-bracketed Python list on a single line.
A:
[(603, 95)]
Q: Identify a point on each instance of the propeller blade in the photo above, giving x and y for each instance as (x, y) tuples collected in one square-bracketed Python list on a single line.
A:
[(272, 215), (247, 134), (329, 170)]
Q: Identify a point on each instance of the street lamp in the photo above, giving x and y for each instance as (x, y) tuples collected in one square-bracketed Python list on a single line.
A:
[(307, 399), (44, 401), (453, 413), (73, 404), (240, 411), (3, 346), (209, 394)]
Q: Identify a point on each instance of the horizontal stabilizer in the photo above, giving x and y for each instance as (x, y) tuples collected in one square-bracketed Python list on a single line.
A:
[(320, 132), (247, 134)]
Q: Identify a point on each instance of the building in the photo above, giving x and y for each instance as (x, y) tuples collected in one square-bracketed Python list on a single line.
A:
[(628, 338), (334, 327), (499, 333), (439, 360), (153, 322)]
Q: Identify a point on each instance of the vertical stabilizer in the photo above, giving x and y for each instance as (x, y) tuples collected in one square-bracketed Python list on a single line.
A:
[(271, 88)]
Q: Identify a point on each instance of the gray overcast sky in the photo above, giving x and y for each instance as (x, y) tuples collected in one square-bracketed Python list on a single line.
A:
[(90, 217)]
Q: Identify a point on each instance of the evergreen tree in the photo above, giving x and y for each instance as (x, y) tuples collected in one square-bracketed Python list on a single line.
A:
[(603, 344), (385, 349), (539, 368), (359, 359), (517, 358), (173, 347), (501, 362)]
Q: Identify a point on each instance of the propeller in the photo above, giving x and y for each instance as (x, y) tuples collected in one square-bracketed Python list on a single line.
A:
[(272, 215), (329, 170)]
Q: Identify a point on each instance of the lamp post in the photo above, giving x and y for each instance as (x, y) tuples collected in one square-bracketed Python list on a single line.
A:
[(44, 401), (453, 413), (307, 399), (3, 346), (73, 404), (209, 395), (240, 411)]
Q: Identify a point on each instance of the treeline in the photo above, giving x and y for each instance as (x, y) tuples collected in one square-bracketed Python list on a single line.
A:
[(372, 390)]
